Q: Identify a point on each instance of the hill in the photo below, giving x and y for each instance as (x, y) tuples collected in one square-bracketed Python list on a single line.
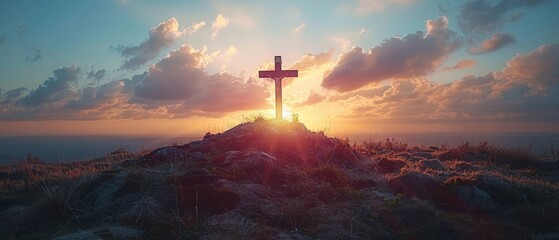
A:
[(269, 179)]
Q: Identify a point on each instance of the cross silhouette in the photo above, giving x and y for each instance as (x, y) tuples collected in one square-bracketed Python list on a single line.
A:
[(277, 75)]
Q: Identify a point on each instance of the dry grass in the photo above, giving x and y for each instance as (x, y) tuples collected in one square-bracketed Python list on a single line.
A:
[(193, 196)]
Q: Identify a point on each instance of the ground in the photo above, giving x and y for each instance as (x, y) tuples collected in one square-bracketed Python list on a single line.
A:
[(268, 179)]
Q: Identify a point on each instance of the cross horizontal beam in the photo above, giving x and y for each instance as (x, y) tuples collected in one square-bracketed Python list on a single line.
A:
[(278, 74)]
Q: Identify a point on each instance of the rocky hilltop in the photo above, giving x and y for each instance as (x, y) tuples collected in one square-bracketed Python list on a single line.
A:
[(269, 179)]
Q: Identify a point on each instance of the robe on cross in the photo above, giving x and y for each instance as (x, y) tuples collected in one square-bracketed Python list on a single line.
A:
[(277, 75)]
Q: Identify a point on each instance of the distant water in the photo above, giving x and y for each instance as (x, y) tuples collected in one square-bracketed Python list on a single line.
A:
[(73, 148), (67, 149)]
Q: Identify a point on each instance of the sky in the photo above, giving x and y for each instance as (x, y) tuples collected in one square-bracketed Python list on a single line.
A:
[(131, 67)]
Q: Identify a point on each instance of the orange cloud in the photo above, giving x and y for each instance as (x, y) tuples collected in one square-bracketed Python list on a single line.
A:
[(219, 23), (466, 63), (396, 58), (494, 43)]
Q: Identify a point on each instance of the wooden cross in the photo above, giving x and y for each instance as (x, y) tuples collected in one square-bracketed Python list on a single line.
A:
[(277, 75)]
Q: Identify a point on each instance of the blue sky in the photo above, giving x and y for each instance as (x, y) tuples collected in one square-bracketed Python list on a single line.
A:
[(81, 38)]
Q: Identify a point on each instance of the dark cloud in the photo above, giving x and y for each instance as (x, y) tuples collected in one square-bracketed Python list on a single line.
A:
[(161, 36), (496, 42), (414, 55), (14, 95), (466, 63), (35, 55), (485, 16), (109, 94), (96, 75), (54, 88)]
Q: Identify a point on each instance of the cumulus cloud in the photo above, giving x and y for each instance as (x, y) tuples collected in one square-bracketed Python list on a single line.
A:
[(310, 61), (485, 16), (496, 42), (466, 63), (181, 79), (537, 69), (219, 23), (525, 90), (161, 36), (109, 94), (299, 28), (411, 56), (54, 88)]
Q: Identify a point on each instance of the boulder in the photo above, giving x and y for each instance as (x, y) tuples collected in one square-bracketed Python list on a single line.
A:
[(422, 186), (500, 189), (256, 160), (476, 198)]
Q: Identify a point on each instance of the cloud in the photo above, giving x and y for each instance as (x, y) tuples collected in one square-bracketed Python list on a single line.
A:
[(344, 43), (536, 69), (299, 28), (161, 36), (466, 63), (412, 56), (180, 79), (496, 42), (525, 90), (13, 96), (219, 23), (484, 16), (362, 31), (312, 99), (310, 61), (108, 94), (195, 27), (96, 75), (54, 88), (35, 56)]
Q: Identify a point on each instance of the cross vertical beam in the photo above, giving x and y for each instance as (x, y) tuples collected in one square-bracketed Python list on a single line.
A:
[(277, 75)]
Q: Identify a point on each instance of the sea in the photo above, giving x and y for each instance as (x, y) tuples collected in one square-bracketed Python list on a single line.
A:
[(61, 149)]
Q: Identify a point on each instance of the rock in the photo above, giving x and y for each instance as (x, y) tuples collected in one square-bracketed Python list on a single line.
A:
[(422, 186), (500, 189), (386, 165), (257, 161), (431, 164), (426, 155), (476, 198)]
